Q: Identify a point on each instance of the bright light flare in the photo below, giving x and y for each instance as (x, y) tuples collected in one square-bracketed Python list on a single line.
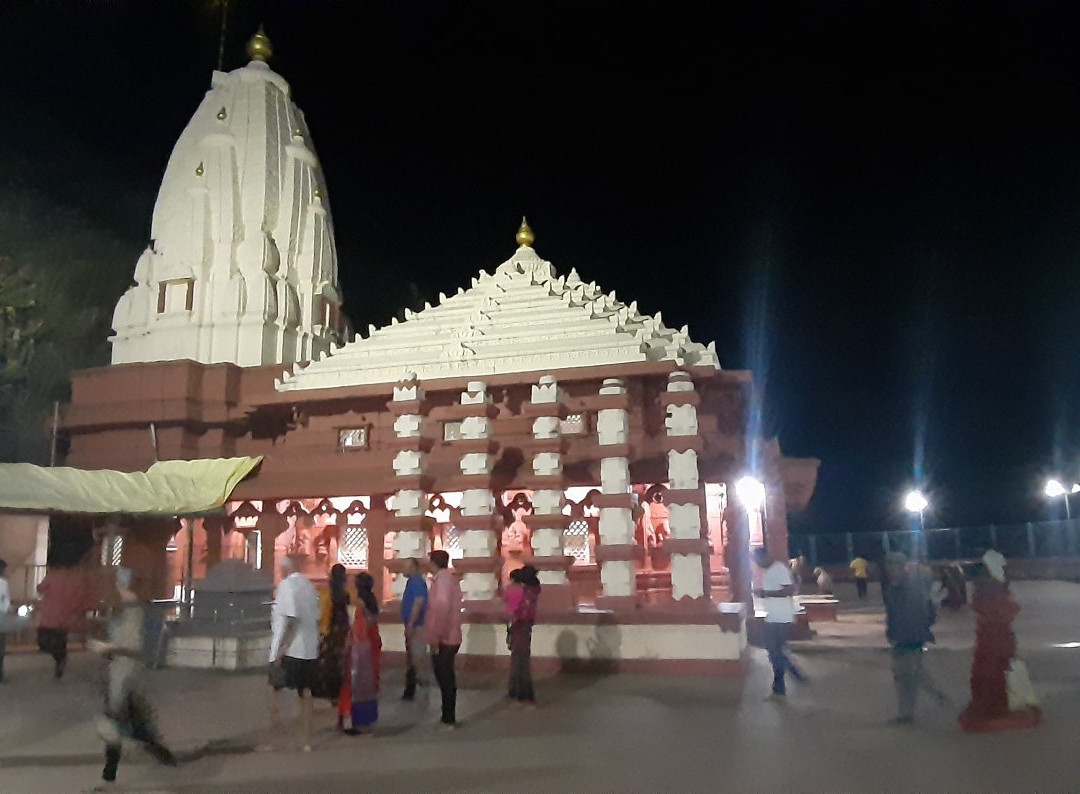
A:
[(1066, 645), (751, 493), (1055, 488), (915, 502)]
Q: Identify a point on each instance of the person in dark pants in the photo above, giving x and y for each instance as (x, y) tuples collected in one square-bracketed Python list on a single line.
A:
[(413, 608), (776, 592), (859, 567), (442, 627), (521, 599)]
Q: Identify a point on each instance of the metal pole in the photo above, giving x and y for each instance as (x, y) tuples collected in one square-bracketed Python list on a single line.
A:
[(1068, 513), (56, 425), (813, 549), (1031, 539), (189, 573), (885, 542), (849, 541), (993, 536), (956, 542)]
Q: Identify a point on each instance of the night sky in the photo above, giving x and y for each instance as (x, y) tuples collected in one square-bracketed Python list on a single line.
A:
[(873, 205)]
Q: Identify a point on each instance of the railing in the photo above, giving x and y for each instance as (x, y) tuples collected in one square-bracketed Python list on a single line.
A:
[(1018, 541)]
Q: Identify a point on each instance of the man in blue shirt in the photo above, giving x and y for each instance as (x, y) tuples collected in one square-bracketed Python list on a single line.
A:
[(413, 607)]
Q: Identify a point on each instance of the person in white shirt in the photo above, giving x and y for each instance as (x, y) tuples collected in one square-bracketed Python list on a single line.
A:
[(777, 589), (5, 607), (294, 645)]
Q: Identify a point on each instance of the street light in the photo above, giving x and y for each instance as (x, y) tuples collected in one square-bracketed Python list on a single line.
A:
[(751, 493), (915, 502), (1054, 488)]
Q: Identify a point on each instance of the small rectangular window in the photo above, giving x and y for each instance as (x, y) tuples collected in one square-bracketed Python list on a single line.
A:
[(350, 438), (451, 431)]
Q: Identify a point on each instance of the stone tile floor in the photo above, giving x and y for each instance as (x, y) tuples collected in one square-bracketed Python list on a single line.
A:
[(619, 733)]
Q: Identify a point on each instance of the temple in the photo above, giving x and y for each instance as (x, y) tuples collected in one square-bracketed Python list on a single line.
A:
[(528, 417)]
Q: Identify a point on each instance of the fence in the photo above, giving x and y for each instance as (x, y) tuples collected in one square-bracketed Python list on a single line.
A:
[(1031, 540)]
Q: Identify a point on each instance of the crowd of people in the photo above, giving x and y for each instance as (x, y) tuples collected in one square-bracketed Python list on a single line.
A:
[(328, 644)]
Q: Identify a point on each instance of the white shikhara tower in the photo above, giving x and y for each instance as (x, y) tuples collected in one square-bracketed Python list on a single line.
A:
[(241, 266)]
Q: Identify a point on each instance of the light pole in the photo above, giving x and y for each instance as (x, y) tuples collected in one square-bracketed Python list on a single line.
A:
[(915, 502), (1054, 488)]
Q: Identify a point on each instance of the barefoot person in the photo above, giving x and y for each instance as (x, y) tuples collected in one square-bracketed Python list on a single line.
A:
[(442, 628), (333, 635), (126, 712), (776, 594), (363, 660), (294, 645), (521, 600)]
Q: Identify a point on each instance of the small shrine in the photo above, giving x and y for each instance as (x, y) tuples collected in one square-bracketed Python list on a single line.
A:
[(526, 417)]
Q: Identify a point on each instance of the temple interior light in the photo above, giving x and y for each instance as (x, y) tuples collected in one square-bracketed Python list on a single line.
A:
[(751, 493)]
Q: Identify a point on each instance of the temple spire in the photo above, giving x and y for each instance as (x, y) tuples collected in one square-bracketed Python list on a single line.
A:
[(525, 236), (259, 47)]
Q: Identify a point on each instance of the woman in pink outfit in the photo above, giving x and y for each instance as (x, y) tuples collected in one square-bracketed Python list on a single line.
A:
[(521, 599)]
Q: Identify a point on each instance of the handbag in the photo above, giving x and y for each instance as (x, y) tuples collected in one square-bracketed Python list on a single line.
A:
[(278, 678)]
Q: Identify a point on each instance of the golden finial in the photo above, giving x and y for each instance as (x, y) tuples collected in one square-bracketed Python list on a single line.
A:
[(199, 170), (221, 114), (525, 236), (259, 47)]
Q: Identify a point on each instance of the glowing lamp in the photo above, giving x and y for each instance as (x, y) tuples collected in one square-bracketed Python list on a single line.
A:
[(915, 502), (751, 493)]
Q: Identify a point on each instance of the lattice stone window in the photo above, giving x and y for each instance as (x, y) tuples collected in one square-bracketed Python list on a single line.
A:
[(350, 438), (574, 425), (451, 431), (112, 553), (576, 542), (452, 543), (353, 551)]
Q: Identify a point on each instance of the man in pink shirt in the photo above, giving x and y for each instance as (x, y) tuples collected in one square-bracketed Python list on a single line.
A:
[(442, 626)]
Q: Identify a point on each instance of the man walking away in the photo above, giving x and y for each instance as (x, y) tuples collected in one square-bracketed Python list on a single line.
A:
[(909, 614), (294, 645), (776, 593), (442, 626), (413, 607), (5, 607), (859, 568), (61, 609)]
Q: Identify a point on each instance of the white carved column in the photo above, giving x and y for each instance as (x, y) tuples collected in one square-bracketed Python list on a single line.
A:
[(410, 462), (618, 551), (688, 544), (480, 563), (547, 524)]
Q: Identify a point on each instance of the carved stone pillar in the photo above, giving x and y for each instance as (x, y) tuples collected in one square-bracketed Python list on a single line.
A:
[(410, 501), (688, 544), (547, 524), (270, 524), (737, 552), (215, 530), (618, 551), (478, 523)]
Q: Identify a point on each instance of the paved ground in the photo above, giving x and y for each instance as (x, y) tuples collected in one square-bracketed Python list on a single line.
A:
[(620, 733)]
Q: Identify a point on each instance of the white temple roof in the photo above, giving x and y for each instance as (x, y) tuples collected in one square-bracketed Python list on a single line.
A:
[(523, 318)]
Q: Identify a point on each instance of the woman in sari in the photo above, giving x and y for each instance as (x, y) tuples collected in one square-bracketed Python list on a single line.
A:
[(333, 634), (363, 651)]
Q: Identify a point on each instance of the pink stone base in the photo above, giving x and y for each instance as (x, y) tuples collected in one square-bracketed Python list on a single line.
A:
[(556, 599), (547, 665), (1023, 719)]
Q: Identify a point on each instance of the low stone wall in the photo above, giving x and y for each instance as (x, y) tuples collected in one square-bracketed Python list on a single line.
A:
[(597, 641)]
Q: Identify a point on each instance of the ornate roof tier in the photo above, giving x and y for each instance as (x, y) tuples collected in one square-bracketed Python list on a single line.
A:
[(523, 318), (241, 265)]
